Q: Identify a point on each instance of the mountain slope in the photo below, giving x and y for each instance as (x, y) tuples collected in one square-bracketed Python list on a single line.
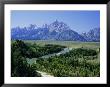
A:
[(54, 31), (92, 35)]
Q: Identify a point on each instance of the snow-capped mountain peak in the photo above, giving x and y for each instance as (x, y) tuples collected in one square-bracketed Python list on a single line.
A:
[(54, 31), (58, 26)]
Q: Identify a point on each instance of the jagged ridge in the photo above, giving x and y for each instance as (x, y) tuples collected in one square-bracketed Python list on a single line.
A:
[(54, 31)]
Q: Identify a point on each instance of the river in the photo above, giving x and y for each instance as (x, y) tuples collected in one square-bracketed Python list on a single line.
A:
[(33, 60), (65, 50), (44, 74)]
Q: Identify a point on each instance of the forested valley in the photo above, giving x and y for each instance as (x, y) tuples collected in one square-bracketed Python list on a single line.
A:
[(78, 62)]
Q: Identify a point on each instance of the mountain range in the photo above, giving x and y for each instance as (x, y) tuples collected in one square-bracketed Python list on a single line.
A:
[(54, 31)]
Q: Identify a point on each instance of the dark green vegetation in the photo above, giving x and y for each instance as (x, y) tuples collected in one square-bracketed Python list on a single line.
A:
[(20, 51), (33, 51), (73, 64), (79, 62), (19, 65)]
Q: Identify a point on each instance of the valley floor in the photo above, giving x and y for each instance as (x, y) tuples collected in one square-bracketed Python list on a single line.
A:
[(59, 58)]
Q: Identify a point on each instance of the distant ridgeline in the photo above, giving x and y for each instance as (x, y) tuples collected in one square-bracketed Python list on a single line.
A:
[(54, 31)]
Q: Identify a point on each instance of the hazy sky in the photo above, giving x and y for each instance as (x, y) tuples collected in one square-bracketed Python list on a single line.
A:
[(79, 21)]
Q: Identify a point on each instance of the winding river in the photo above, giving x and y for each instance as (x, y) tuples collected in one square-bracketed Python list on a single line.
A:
[(65, 50), (33, 60), (44, 74)]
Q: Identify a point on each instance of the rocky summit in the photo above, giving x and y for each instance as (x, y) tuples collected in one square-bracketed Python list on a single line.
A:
[(54, 31)]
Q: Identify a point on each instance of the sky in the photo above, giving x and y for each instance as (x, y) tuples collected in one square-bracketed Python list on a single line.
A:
[(80, 21)]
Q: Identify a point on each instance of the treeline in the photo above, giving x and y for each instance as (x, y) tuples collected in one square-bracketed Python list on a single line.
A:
[(20, 51), (35, 51), (82, 53), (77, 63)]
